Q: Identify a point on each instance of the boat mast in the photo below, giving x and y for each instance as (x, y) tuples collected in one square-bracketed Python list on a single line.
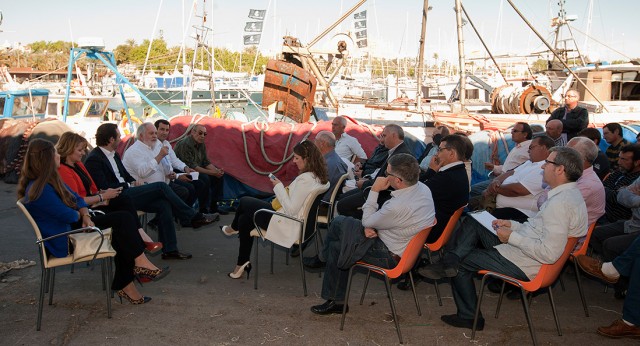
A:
[(461, 62), (425, 8)]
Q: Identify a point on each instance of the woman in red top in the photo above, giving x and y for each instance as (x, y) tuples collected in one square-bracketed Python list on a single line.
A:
[(71, 147)]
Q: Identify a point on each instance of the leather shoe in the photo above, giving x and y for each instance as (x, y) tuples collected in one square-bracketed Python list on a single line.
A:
[(176, 255), (619, 329), (459, 322), (593, 267), (438, 271), (329, 307), (313, 262), (203, 219)]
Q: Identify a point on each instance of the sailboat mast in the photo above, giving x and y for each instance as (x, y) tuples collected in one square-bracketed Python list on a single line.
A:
[(425, 8), (461, 62)]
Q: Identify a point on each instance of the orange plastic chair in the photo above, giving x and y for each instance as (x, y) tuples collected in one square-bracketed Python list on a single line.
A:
[(582, 250), (546, 276), (409, 258), (442, 240)]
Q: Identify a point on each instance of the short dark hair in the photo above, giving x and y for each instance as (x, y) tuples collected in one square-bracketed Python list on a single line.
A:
[(161, 121), (105, 132), (468, 150), (396, 129), (406, 167), (571, 160), (545, 140), (613, 127), (526, 129), (457, 144), (632, 148), (592, 134)]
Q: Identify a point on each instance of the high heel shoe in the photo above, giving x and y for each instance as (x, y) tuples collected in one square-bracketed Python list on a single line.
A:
[(148, 275), (152, 246), (244, 268), (228, 231), (123, 294)]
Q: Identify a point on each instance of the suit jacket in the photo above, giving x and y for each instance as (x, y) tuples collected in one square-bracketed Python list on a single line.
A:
[(102, 173), (401, 149), (450, 191)]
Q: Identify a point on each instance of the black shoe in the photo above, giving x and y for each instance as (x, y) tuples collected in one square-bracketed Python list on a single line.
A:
[(204, 219), (329, 307), (176, 255), (313, 262), (458, 322), (438, 271)]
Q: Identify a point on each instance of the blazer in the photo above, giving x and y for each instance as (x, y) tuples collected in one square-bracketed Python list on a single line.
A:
[(102, 173), (72, 179), (401, 149), (450, 191)]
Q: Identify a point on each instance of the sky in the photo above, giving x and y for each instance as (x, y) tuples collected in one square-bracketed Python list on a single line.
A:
[(393, 25)]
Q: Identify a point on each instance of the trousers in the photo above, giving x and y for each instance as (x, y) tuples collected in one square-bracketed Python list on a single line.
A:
[(628, 264), (243, 223)]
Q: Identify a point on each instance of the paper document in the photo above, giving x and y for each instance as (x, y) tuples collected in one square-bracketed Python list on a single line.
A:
[(194, 175), (485, 219)]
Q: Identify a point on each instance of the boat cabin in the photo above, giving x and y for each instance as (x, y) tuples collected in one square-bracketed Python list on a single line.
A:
[(18, 104)]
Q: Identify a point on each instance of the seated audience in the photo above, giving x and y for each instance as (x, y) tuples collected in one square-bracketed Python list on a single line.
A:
[(335, 165), (612, 133), (601, 163), (573, 117), (56, 210), (346, 146), (439, 132), (628, 170), (554, 131)]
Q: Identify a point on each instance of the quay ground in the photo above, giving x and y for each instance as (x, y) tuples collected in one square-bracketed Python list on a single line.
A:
[(197, 304)]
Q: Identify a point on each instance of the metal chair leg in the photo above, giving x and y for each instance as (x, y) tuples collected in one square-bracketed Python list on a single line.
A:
[(435, 282), (555, 313), (103, 264), (43, 284), (346, 299), (304, 278), (107, 263), (272, 249), (255, 277), (387, 285), (46, 281), (579, 281), (525, 305), (366, 283), (52, 283), (478, 305), (413, 290), (499, 299)]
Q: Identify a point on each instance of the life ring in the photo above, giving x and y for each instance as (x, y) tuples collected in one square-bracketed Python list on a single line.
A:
[(124, 124)]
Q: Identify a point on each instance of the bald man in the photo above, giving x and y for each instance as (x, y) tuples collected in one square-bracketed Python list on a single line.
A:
[(554, 130)]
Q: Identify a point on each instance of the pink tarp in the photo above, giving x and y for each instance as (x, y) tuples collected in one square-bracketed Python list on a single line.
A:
[(225, 145)]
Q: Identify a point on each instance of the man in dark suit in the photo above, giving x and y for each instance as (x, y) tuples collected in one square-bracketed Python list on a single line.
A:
[(447, 178), (107, 171), (349, 203)]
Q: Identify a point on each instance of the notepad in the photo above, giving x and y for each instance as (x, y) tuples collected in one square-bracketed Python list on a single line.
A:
[(485, 219)]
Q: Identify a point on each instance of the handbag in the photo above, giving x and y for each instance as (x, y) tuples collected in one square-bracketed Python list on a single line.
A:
[(275, 204), (85, 245)]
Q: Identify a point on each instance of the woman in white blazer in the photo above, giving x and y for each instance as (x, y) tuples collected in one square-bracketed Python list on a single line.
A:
[(313, 175)]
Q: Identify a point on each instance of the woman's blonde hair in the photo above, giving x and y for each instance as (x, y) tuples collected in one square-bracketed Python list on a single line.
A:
[(67, 144)]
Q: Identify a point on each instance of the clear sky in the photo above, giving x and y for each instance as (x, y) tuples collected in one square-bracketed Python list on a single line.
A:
[(393, 25)]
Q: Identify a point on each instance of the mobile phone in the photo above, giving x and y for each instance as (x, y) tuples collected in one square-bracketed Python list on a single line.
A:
[(271, 176)]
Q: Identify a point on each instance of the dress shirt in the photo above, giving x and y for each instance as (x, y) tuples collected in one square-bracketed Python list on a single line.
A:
[(517, 155), (632, 201), (140, 162), (409, 211), (348, 146), (176, 163), (110, 156), (424, 164), (529, 175), (541, 240)]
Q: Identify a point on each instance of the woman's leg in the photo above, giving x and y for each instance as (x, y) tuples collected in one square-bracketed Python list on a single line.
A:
[(125, 203), (127, 243), (244, 222)]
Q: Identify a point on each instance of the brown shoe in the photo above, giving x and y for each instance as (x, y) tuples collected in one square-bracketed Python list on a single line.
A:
[(619, 329), (593, 267)]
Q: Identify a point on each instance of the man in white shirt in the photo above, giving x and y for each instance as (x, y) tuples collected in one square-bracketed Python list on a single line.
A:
[(346, 146), (197, 188), (516, 192), (521, 134)]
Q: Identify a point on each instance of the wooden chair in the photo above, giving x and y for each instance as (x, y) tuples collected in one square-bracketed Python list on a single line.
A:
[(309, 208), (409, 258), (546, 276), (442, 241), (48, 264)]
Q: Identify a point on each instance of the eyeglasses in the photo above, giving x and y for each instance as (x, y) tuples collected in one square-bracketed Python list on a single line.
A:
[(439, 149), (571, 96), (552, 162), (515, 131), (389, 174), (201, 133)]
